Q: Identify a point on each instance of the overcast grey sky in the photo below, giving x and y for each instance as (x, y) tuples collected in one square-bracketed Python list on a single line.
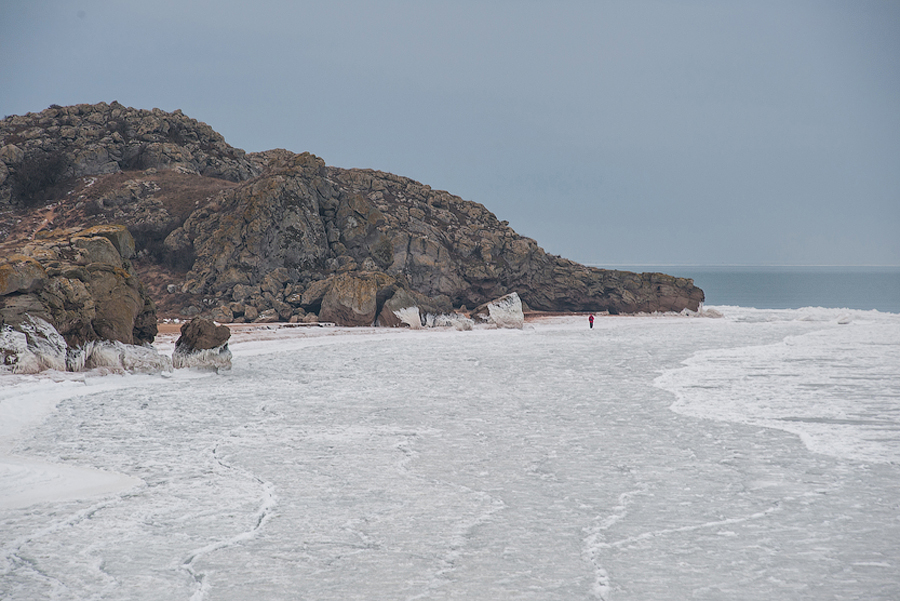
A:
[(695, 132)]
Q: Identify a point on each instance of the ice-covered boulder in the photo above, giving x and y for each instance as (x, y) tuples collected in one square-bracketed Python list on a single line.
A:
[(30, 346), (407, 302), (409, 316), (450, 320), (202, 345), (504, 312), (117, 357)]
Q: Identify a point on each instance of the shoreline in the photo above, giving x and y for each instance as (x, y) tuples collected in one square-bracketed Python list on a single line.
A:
[(171, 326)]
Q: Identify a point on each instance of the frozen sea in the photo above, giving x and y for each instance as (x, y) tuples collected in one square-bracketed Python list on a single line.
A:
[(751, 457)]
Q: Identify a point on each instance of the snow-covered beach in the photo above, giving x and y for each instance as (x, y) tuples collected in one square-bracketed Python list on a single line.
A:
[(755, 456)]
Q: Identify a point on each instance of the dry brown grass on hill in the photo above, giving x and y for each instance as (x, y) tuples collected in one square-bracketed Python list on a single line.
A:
[(74, 204), (180, 193), (157, 278)]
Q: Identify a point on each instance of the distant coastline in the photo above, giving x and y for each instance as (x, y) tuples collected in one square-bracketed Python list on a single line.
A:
[(791, 287)]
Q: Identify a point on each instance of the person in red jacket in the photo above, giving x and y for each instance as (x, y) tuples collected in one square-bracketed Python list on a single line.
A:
[(591, 320)]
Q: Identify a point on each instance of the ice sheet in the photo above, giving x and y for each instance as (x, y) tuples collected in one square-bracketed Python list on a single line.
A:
[(505, 464), (837, 387)]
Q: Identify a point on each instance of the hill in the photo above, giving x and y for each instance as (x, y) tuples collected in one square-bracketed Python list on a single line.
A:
[(244, 237)]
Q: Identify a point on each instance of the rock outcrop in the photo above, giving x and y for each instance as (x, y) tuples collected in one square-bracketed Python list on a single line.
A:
[(38, 151), (203, 345), (319, 220), (82, 282), (279, 236), (71, 300)]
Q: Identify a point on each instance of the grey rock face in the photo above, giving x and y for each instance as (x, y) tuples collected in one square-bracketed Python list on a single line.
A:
[(312, 221)]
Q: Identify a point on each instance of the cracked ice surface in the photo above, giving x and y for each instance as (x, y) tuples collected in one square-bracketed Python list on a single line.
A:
[(502, 464)]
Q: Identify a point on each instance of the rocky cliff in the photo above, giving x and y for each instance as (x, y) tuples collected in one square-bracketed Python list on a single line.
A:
[(281, 236), (82, 282)]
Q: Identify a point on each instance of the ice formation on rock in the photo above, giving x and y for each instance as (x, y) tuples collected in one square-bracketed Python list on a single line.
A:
[(34, 345), (702, 312), (118, 357), (31, 346), (410, 316), (506, 312), (413, 317), (451, 320), (212, 359)]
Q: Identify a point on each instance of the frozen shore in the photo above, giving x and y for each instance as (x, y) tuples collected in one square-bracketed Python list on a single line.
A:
[(25, 481), (26, 400), (544, 463)]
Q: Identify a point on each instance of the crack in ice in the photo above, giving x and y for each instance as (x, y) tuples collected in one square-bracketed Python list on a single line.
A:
[(693, 528), (263, 514)]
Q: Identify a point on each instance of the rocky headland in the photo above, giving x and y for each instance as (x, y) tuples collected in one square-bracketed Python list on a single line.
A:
[(238, 237)]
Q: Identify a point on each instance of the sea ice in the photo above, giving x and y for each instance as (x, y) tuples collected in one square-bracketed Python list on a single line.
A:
[(542, 463)]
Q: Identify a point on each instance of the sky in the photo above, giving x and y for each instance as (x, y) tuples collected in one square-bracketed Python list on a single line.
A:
[(613, 133)]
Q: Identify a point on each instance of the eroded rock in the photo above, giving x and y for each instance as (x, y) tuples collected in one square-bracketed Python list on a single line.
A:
[(79, 282), (202, 345)]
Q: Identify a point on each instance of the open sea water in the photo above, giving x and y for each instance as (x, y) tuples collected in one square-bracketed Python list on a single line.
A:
[(793, 287), (752, 456)]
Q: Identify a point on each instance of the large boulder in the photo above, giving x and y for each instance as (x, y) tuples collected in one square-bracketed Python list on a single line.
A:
[(202, 334), (351, 299), (503, 312), (202, 345)]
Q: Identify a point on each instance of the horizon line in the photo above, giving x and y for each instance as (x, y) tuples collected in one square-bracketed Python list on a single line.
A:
[(729, 265)]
